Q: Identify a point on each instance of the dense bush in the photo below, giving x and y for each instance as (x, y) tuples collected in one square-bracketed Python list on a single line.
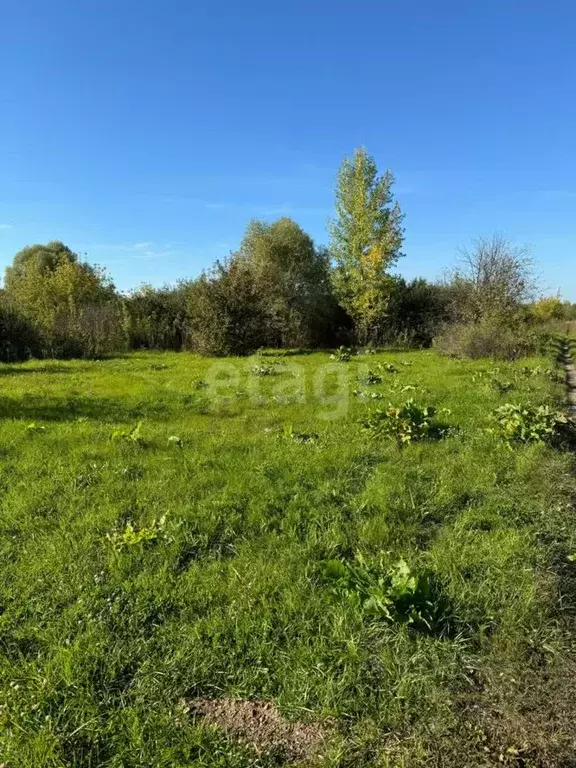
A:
[(494, 279), (70, 303), (100, 330), (19, 339), (491, 338), (291, 279), (225, 312), (90, 331), (281, 290), (417, 311), (276, 291), (156, 318), (487, 299)]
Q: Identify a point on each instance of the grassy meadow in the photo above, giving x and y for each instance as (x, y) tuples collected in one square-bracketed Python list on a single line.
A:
[(177, 529)]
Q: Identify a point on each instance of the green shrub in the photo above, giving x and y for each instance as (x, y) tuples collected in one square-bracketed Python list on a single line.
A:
[(502, 386), (528, 424), (416, 312), (130, 536), (372, 377), (488, 338), (342, 355), (133, 436), (20, 339), (392, 593), (157, 318), (33, 427), (538, 370), (289, 433), (265, 369), (364, 394), (405, 424)]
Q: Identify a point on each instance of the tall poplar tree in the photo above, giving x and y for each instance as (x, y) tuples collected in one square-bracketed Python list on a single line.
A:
[(366, 238)]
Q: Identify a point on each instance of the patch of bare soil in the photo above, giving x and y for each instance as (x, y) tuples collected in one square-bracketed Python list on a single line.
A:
[(534, 724), (260, 725), (523, 718)]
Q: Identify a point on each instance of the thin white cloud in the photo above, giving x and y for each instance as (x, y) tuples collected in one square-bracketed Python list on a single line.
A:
[(6, 226), (261, 209), (152, 253), (144, 249), (126, 247)]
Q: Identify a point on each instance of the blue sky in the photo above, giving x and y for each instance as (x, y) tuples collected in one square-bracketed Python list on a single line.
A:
[(146, 135)]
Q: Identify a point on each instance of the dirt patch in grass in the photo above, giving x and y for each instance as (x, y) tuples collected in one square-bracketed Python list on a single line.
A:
[(524, 720), (260, 725), (542, 725)]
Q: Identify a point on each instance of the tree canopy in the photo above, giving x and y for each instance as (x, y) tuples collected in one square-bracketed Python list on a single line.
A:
[(41, 258), (52, 288), (366, 238), (291, 276)]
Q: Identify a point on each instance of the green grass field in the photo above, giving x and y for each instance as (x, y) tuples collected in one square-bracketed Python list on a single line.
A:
[(250, 540)]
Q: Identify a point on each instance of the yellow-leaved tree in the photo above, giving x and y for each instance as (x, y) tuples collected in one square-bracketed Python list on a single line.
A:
[(366, 238), (51, 288)]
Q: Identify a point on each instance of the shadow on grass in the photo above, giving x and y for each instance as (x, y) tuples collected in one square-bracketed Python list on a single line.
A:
[(565, 439), (103, 409), (17, 370), (287, 352)]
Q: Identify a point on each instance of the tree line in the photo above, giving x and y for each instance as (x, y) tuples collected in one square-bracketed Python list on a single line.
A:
[(280, 289)]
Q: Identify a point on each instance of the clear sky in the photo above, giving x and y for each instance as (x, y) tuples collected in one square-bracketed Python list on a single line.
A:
[(146, 134)]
